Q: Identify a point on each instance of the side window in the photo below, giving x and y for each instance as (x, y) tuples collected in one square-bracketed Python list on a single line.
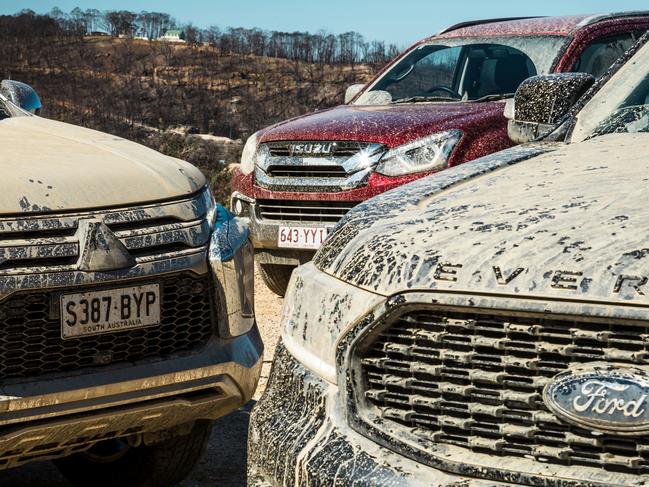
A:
[(603, 52), (428, 71)]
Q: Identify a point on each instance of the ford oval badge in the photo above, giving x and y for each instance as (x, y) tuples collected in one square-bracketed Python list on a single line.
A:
[(607, 400)]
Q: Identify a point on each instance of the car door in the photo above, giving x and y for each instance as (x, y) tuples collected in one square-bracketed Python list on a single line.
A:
[(595, 48)]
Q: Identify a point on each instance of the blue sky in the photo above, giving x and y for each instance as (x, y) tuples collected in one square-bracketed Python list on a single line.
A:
[(398, 21)]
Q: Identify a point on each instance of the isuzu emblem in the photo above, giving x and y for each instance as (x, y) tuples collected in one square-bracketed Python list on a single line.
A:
[(612, 400), (312, 148)]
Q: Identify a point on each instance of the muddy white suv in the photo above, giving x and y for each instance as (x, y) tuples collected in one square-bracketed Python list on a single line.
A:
[(126, 304), (486, 326)]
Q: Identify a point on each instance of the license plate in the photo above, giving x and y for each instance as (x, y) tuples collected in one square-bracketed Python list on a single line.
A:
[(301, 237), (98, 312)]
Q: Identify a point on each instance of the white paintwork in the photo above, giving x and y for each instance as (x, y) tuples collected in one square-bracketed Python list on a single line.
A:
[(612, 94), (48, 165)]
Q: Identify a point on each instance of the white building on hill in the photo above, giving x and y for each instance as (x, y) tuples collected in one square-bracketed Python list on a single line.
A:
[(173, 35)]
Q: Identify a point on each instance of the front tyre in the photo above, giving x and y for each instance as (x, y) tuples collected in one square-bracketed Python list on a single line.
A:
[(276, 277), (113, 463)]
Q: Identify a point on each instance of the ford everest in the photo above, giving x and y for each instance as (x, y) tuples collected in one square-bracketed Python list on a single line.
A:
[(485, 326)]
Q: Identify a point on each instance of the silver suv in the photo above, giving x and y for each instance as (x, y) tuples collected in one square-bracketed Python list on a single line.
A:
[(126, 304)]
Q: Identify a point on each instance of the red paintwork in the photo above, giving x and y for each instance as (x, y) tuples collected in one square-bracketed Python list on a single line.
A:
[(561, 26), (483, 125), (392, 125), (585, 36), (377, 184)]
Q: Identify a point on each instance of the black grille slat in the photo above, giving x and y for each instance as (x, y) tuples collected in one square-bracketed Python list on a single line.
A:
[(476, 381), (304, 211), (30, 332), (299, 171)]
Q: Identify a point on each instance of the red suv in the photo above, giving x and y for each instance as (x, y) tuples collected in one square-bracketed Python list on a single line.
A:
[(437, 105)]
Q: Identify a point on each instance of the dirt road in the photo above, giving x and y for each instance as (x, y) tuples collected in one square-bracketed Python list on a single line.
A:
[(224, 463)]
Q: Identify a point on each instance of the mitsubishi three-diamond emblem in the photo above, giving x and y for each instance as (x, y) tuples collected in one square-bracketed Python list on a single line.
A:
[(101, 250)]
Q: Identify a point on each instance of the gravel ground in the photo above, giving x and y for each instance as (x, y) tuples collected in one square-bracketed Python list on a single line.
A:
[(224, 463)]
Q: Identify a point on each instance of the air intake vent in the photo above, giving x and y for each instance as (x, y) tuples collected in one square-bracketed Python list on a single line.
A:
[(304, 211)]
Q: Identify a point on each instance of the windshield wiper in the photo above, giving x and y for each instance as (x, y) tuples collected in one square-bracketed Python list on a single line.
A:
[(418, 99), (493, 97)]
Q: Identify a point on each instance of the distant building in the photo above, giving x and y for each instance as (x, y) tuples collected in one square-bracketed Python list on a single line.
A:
[(173, 35)]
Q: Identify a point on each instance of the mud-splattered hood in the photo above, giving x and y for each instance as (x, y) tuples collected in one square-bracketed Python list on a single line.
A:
[(568, 224), (392, 125), (47, 165)]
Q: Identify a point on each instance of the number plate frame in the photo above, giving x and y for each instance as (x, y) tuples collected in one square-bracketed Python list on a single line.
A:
[(300, 236), (115, 322)]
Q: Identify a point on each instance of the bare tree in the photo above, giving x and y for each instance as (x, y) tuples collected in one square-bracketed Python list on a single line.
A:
[(120, 22)]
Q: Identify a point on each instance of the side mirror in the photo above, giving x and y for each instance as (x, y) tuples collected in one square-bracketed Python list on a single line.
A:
[(541, 102), (352, 91), (21, 94)]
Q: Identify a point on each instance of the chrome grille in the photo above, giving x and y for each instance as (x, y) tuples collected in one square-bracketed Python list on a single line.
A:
[(51, 242), (303, 211), (30, 329), (316, 166), (475, 381)]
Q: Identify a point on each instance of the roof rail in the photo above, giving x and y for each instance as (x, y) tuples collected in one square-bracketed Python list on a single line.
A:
[(593, 19), (471, 23)]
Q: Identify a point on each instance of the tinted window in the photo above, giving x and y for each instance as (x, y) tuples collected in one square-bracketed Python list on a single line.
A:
[(461, 72), (603, 52)]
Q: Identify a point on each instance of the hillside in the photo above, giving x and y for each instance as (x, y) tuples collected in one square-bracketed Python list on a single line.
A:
[(141, 90)]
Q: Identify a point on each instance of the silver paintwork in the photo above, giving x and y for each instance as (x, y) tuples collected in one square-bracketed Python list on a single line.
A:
[(234, 273)]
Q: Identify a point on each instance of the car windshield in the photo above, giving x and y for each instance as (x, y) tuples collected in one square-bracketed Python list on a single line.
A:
[(464, 70), (621, 105)]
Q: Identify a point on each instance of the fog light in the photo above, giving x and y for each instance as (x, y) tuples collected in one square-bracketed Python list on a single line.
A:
[(241, 204), (238, 207)]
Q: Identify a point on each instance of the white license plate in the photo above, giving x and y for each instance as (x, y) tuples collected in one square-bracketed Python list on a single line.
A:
[(301, 237), (97, 312)]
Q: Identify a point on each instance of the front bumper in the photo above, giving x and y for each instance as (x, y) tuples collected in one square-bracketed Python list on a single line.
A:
[(53, 417), (299, 436), (264, 233)]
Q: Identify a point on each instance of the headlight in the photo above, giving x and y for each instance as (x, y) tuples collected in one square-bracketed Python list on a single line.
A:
[(426, 154), (248, 154), (318, 310)]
